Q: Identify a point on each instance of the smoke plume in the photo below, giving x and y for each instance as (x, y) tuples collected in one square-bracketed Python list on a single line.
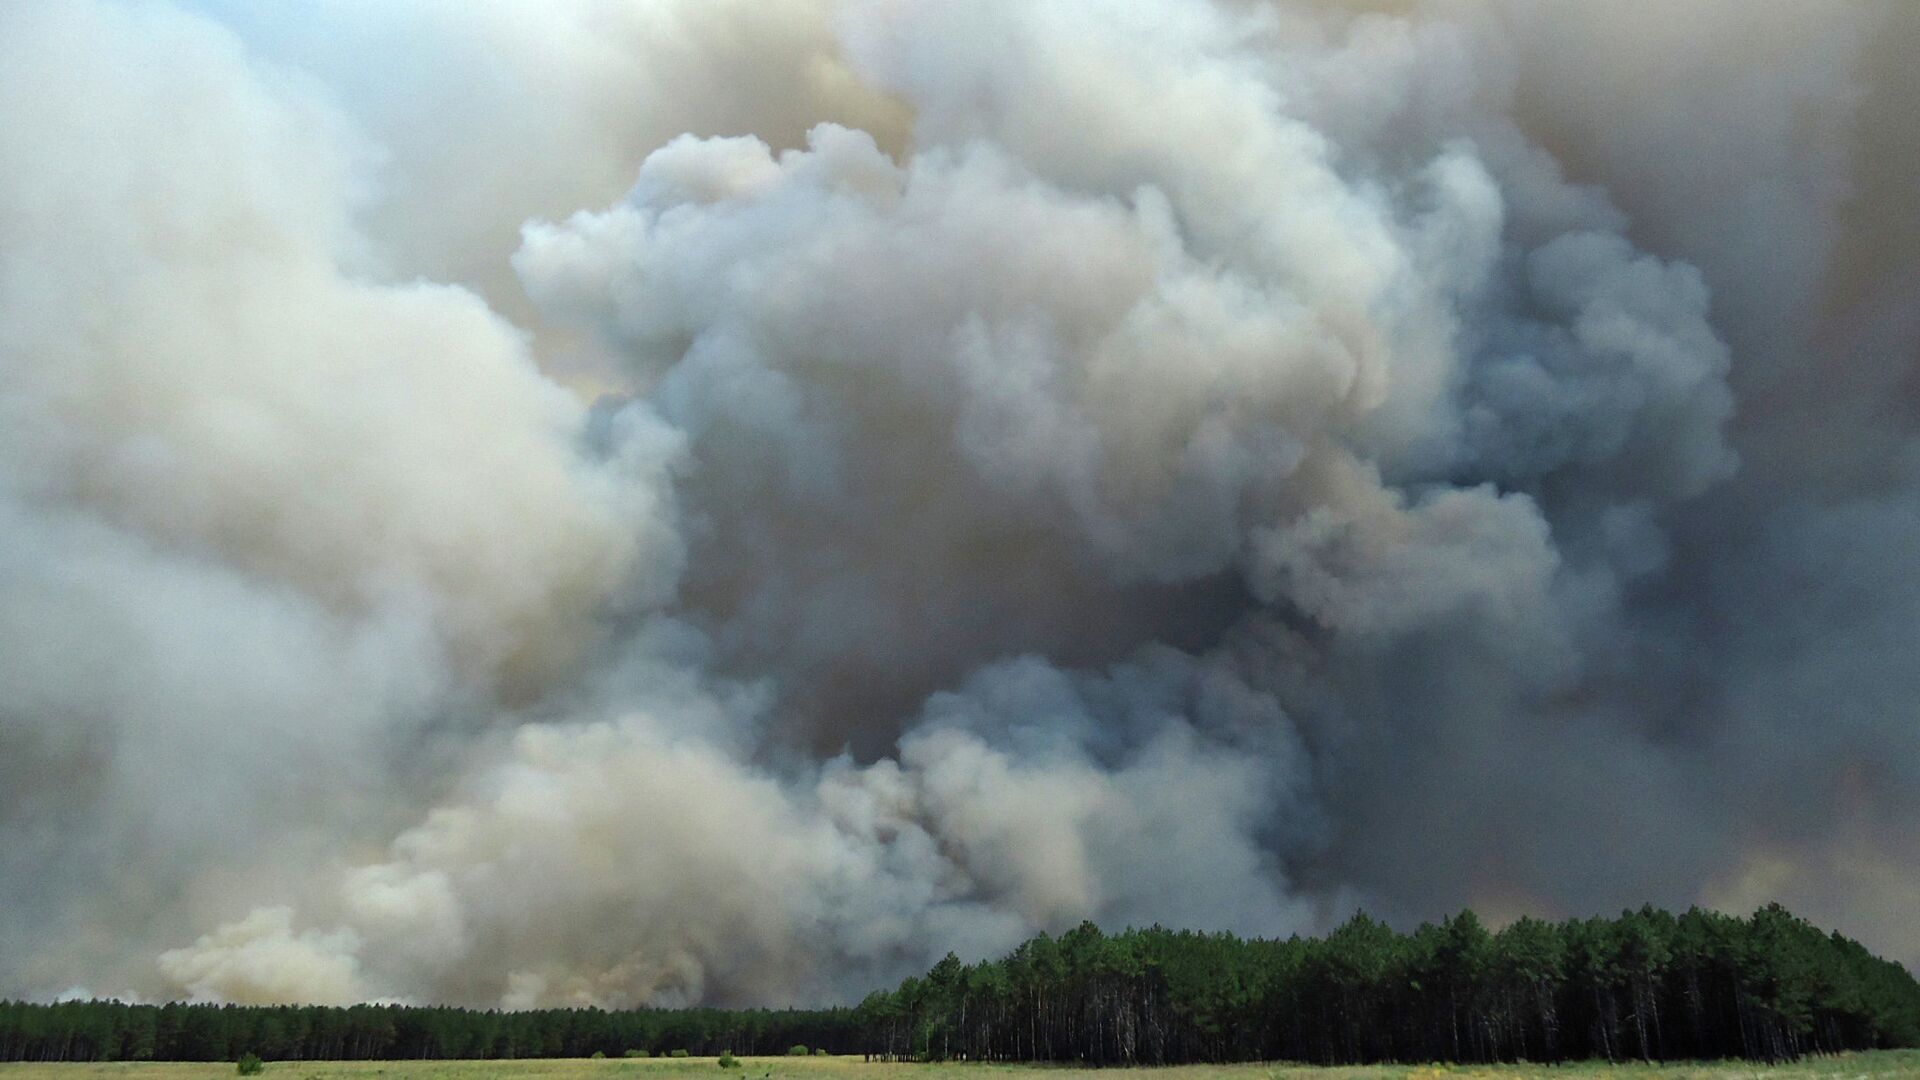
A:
[(601, 503)]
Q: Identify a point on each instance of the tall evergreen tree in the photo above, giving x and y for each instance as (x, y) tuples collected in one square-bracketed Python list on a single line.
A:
[(1647, 985)]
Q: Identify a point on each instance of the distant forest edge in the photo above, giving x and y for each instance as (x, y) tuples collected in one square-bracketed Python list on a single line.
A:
[(1645, 985)]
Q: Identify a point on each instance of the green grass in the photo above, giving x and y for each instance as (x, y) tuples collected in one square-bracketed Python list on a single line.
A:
[(1879, 1064)]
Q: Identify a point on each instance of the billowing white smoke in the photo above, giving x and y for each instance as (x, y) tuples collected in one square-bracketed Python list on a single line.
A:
[(637, 859), (264, 519), (1188, 462)]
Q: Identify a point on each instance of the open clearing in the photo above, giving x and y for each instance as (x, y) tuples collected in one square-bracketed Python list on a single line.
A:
[(1886, 1063)]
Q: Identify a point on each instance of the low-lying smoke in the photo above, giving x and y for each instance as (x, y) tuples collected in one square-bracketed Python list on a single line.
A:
[(728, 502)]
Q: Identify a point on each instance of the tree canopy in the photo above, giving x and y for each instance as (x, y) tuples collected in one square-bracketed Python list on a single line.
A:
[(1646, 985)]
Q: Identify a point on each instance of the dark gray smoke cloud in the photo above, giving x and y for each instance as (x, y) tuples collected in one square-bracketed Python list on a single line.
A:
[(605, 503)]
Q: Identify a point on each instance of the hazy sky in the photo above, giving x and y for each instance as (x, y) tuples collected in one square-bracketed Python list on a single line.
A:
[(654, 501)]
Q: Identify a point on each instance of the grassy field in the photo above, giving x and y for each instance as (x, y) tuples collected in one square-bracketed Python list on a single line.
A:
[(1898, 1063)]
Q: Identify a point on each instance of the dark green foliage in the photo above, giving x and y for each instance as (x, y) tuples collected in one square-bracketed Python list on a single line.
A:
[(728, 1061), (1647, 985), (113, 1031), (599, 1055), (797, 1050), (249, 1065)]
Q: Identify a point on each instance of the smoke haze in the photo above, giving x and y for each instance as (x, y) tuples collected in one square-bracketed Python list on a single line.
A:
[(576, 502)]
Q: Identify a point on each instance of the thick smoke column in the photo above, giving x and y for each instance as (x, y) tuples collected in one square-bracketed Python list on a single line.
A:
[(1214, 463)]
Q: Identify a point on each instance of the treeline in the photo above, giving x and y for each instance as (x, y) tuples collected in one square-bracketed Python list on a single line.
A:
[(114, 1031), (1647, 985)]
